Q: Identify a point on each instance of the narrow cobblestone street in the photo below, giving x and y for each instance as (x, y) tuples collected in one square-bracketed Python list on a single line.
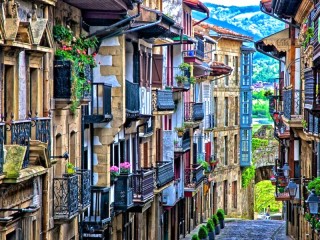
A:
[(250, 230)]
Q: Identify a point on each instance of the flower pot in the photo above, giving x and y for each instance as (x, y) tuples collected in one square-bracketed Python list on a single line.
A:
[(217, 230), (221, 221), (211, 235), (70, 170), (180, 134)]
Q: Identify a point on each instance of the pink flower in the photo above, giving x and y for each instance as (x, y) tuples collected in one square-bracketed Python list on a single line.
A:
[(114, 169), (78, 51), (125, 165)]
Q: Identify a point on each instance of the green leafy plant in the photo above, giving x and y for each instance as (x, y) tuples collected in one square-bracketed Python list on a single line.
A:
[(215, 220), (70, 168), (247, 176), (210, 225), (220, 214), (309, 34), (180, 129), (184, 67), (268, 93), (304, 123), (315, 184), (76, 50), (203, 233), (181, 78), (192, 80), (195, 237), (307, 217), (205, 165)]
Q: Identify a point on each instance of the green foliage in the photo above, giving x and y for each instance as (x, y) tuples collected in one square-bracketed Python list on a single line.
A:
[(220, 214), (184, 66), (75, 50), (260, 109), (307, 217), (247, 176), (210, 225), (192, 80), (195, 237), (264, 196), (304, 123), (205, 165), (315, 184), (215, 220), (181, 78), (259, 143), (265, 69), (203, 233), (309, 34)]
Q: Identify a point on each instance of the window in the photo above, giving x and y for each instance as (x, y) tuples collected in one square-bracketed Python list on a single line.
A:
[(234, 194), (236, 70), (235, 150), (236, 116), (226, 78), (226, 150), (117, 153), (226, 111), (215, 152), (72, 148)]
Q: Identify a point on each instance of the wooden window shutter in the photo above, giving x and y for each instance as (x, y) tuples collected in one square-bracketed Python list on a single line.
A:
[(142, 68), (145, 154), (159, 145), (157, 68)]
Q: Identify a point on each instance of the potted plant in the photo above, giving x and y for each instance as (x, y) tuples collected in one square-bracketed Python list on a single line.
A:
[(74, 50), (203, 233), (315, 184), (220, 215), (176, 143), (210, 227), (180, 131), (125, 167), (192, 80), (70, 168), (215, 221), (204, 165), (195, 237), (114, 173), (309, 34), (184, 67)]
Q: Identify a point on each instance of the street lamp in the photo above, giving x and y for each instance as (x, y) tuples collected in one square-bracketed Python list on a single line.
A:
[(285, 170), (292, 187), (313, 202)]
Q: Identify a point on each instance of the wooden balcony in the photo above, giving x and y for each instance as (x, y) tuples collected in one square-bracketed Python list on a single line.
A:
[(100, 214), (162, 102), (282, 196), (193, 177), (143, 186), (65, 197), (312, 97), (193, 112), (100, 105), (312, 122), (123, 193), (176, 79), (164, 174)]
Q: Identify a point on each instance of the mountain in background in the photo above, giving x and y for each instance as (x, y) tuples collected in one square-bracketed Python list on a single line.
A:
[(249, 21)]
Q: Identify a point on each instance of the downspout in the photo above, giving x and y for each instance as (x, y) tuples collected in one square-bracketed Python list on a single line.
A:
[(278, 18), (102, 32), (138, 143), (144, 26), (208, 15)]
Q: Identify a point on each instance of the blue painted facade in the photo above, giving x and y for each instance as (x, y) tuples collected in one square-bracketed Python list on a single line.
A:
[(246, 106)]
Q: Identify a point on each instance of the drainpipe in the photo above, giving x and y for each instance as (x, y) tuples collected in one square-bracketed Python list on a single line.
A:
[(144, 26), (208, 15), (138, 142), (103, 32)]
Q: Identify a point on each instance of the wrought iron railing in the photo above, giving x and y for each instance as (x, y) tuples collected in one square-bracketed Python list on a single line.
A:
[(292, 100), (2, 141), (162, 100), (197, 52), (132, 97), (209, 121), (43, 130), (193, 112), (193, 176), (20, 133), (84, 188), (65, 197), (100, 211), (101, 100), (143, 185), (123, 192), (164, 173), (172, 75)]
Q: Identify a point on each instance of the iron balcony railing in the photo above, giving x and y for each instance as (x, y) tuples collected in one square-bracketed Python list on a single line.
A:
[(84, 188), (193, 176), (164, 173), (43, 130), (132, 98), (193, 112), (292, 100), (123, 193), (65, 197), (162, 100), (209, 121), (143, 185), (100, 211), (101, 103), (172, 77), (197, 52)]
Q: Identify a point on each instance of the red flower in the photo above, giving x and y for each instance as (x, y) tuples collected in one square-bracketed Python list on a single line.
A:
[(78, 51)]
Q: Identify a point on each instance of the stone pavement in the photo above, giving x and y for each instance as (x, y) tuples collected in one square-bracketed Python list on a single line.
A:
[(238, 229)]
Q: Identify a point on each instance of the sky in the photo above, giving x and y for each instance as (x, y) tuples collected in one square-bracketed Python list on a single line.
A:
[(234, 2)]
